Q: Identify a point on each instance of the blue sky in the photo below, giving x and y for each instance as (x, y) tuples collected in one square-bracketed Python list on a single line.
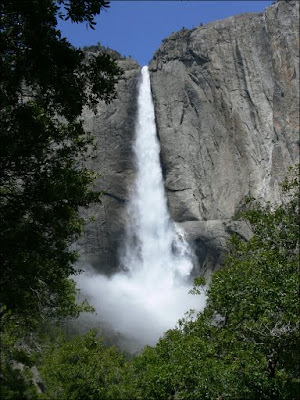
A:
[(137, 27)]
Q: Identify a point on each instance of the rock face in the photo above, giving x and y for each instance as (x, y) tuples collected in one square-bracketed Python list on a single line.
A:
[(209, 240), (226, 99), (113, 128), (227, 108)]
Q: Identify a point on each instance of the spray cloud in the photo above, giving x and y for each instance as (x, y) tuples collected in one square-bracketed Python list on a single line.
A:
[(152, 292)]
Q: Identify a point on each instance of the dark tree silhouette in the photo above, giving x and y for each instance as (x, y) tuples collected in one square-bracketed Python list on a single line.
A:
[(44, 84)]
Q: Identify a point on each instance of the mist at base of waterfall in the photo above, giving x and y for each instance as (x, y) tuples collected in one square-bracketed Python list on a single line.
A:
[(151, 293), (130, 314)]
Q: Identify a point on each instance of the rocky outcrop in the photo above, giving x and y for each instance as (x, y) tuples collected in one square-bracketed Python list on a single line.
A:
[(226, 99), (113, 128), (209, 240), (227, 108)]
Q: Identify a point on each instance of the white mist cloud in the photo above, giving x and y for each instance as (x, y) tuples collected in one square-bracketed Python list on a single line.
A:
[(136, 310), (153, 294)]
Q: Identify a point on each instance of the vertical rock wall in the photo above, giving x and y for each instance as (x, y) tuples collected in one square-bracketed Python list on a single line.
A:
[(227, 107), (227, 104), (226, 98), (113, 128)]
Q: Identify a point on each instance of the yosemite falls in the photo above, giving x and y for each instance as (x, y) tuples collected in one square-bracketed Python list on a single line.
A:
[(151, 292), (156, 252)]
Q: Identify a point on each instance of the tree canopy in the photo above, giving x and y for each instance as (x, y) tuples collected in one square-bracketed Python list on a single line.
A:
[(245, 345), (84, 369), (44, 84)]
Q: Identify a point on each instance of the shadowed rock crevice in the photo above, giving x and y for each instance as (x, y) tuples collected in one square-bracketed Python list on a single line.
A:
[(119, 199)]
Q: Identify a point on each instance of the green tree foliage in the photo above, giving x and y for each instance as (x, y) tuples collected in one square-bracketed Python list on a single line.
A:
[(44, 85), (245, 345), (83, 369), (16, 361)]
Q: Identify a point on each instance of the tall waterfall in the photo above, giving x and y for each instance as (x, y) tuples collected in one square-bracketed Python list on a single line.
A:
[(156, 251), (152, 292)]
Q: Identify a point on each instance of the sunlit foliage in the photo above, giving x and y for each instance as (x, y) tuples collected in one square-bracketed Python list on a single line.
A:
[(246, 343)]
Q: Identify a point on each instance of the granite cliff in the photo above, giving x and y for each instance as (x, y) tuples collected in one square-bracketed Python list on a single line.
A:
[(227, 108), (113, 129), (226, 98)]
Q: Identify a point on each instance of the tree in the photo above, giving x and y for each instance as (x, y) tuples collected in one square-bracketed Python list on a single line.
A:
[(83, 369), (44, 85), (245, 345)]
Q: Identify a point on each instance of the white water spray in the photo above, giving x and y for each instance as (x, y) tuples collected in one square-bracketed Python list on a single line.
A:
[(153, 291), (152, 237)]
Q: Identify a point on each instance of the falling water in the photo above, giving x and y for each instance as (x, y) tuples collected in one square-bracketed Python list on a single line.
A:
[(152, 292), (155, 247)]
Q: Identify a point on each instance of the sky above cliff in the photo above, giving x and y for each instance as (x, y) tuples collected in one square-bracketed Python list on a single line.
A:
[(136, 28)]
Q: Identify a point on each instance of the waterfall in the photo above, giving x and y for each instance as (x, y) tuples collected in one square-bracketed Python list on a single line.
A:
[(152, 291), (155, 250)]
